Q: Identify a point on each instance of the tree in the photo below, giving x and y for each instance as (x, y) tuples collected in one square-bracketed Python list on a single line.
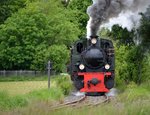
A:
[(143, 49), (122, 35), (8, 7), (59, 56), (33, 30), (79, 8), (144, 28)]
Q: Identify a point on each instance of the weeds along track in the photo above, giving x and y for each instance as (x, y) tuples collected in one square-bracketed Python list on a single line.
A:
[(81, 101)]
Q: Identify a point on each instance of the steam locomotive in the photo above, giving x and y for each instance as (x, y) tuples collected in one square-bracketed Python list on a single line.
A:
[(92, 65)]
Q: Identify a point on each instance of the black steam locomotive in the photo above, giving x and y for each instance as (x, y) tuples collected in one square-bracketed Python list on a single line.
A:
[(92, 65)]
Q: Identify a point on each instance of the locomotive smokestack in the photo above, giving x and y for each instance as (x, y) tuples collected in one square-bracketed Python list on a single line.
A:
[(93, 40), (94, 36), (101, 11)]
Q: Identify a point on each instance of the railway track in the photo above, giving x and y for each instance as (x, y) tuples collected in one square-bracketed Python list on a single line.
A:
[(82, 101)]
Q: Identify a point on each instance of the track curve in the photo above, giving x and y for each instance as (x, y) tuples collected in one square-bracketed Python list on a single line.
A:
[(82, 101)]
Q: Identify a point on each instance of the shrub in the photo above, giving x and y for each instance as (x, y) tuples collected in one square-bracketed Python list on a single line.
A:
[(65, 84)]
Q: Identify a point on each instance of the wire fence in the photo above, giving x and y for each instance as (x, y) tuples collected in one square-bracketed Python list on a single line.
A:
[(6, 73), (17, 73), (17, 82)]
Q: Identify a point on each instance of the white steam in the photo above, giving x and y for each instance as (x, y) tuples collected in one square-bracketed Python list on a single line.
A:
[(126, 19)]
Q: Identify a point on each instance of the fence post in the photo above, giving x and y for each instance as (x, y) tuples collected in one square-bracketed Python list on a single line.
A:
[(4, 73), (49, 70)]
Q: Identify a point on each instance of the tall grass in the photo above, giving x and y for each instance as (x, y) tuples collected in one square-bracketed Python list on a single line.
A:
[(23, 87), (46, 94), (135, 100), (7, 102), (62, 87), (139, 108)]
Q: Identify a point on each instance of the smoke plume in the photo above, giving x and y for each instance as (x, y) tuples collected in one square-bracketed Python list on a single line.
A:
[(106, 13)]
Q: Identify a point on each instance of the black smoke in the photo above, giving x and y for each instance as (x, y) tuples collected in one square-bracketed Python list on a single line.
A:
[(102, 10)]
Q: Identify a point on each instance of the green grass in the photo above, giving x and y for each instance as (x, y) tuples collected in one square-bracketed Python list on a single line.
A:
[(115, 107), (28, 78), (46, 94), (134, 92), (23, 87), (7, 102), (20, 94), (26, 85), (134, 100), (139, 108), (23, 78)]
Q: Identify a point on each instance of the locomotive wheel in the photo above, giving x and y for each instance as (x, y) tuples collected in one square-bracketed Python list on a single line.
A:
[(78, 84), (109, 83)]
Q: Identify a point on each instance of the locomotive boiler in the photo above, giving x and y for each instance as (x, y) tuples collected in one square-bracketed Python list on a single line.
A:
[(92, 65)]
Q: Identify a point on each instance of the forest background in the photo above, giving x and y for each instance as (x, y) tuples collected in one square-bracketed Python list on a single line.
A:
[(35, 31)]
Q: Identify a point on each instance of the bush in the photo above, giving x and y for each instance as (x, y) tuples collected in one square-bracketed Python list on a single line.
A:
[(65, 84), (121, 64), (145, 73), (131, 65)]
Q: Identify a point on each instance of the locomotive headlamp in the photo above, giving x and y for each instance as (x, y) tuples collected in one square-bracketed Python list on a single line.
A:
[(107, 66), (93, 40), (81, 67)]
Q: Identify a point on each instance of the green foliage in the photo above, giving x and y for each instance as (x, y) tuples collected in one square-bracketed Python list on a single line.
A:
[(122, 35), (65, 84), (144, 28), (26, 36), (59, 55), (36, 31), (121, 64), (105, 33), (132, 61), (128, 55), (78, 8), (145, 76), (8, 7), (128, 64)]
